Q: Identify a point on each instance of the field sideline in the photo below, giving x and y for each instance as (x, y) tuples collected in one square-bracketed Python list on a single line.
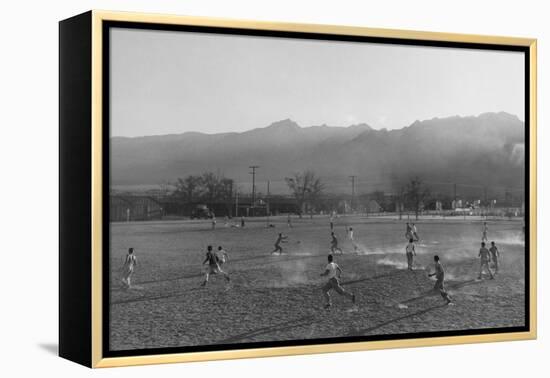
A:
[(274, 297)]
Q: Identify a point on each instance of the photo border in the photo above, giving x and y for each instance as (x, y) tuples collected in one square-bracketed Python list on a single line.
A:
[(102, 21)]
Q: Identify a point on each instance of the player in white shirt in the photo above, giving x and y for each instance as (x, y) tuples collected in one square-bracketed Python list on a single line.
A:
[(333, 271), (484, 230), (415, 233), (127, 270), (350, 235), (410, 252), (222, 255)]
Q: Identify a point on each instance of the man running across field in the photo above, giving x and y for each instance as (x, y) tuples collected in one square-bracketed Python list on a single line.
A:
[(280, 239), (408, 232), (213, 266), (333, 271), (289, 221), (495, 255), (222, 256), (130, 263), (485, 258), (350, 235), (440, 276), (484, 230), (334, 244), (410, 252), (415, 233)]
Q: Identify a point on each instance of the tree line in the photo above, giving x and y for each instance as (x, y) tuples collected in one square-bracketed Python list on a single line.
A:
[(207, 187), (306, 187)]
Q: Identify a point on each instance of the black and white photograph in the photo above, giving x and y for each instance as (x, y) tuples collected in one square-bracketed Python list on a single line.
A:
[(292, 190)]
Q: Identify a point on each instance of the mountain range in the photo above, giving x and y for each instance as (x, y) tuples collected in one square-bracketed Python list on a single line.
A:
[(477, 150)]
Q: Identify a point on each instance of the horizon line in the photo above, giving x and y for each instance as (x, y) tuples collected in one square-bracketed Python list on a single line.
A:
[(321, 125)]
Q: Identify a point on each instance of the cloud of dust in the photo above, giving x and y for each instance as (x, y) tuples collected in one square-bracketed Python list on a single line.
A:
[(292, 273), (394, 262), (510, 238)]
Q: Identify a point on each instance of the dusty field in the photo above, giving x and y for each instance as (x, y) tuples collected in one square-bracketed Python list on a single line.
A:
[(273, 297)]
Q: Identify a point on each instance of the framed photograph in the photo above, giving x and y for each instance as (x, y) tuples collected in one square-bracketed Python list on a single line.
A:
[(233, 189)]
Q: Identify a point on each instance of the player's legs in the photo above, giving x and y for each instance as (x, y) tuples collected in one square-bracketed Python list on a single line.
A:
[(326, 289), (206, 276), (441, 287), (489, 270), (224, 274), (485, 266), (480, 270), (496, 264), (340, 290), (409, 261)]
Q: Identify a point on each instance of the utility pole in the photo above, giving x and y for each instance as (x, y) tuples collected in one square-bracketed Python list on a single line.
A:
[(267, 204), (352, 177), (236, 203), (253, 173), (485, 204)]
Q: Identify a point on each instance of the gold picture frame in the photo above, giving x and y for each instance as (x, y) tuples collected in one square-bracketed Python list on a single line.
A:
[(90, 328)]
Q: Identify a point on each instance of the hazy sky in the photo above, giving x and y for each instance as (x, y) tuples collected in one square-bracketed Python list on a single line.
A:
[(172, 82)]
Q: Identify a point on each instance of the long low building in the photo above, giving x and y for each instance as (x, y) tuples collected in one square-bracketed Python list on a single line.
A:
[(126, 208)]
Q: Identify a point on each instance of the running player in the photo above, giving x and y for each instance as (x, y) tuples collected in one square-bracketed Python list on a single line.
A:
[(289, 221), (484, 230), (213, 266), (333, 271), (222, 256), (415, 233), (440, 276), (213, 220), (334, 244), (410, 252), (408, 232), (130, 263), (495, 255), (485, 258), (350, 235), (280, 239), (332, 221)]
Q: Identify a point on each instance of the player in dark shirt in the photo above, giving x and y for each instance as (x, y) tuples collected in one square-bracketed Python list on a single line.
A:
[(280, 239), (485, 258), (213, 266), (334, 244), (440, 276)]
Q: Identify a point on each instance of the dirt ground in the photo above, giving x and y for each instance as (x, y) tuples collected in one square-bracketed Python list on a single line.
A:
[(272, 297)]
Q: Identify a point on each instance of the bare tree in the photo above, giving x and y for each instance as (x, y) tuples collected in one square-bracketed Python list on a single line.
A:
[(189, 188), (307, 188), (416, 194)]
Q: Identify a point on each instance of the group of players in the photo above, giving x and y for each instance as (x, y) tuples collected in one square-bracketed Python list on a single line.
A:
[(332, 271)]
